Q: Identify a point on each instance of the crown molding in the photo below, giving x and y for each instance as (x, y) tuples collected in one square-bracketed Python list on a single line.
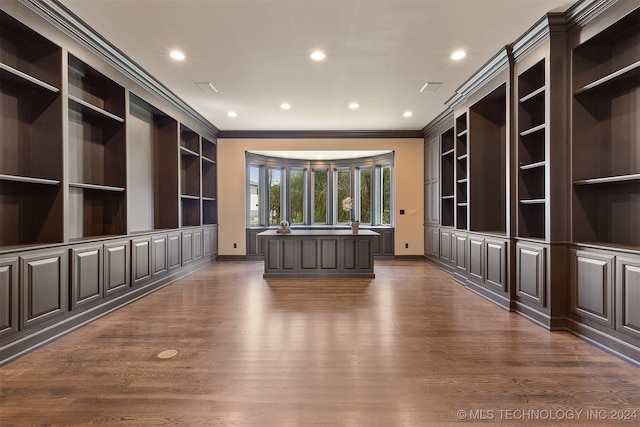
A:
[(318, 134), (583, 12), (551, 23), (489, 70), (62, 18), (444, 119)]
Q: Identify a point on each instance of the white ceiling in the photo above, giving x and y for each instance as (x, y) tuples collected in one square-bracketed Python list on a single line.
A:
[(380, 53)]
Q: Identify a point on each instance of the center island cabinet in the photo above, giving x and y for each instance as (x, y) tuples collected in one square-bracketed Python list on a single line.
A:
[(318, 253)]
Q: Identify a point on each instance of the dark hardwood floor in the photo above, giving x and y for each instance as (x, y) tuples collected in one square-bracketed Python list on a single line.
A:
[(408, 348)]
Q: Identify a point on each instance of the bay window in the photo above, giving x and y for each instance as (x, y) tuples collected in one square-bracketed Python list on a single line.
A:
[(309, 192)]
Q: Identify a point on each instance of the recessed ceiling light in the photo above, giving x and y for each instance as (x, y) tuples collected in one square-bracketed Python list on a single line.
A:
[(285, 106), (407, 114), (317, 55), (177, 55), (232, 114), (458, 55), (354, 105)]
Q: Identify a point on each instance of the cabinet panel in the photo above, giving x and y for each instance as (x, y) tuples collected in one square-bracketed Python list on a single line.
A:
[(173, 250), (454, 247), (329, 252), (349, 254), (187, 247), (365, 255), (8, 296), (628, 296), (254, 245), (282, 255), (207, 242), (86, 274), (214, 242), (159, 255), (496, 272), (530, 272), (44, 284), (476, 259), (592, 286), (197, 244), (445, 245), (435, 242), (140, 260), (308, 254), (116, 266), (461, 253)]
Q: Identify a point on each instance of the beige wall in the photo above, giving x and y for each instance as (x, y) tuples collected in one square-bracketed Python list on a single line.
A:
[(409, 185)]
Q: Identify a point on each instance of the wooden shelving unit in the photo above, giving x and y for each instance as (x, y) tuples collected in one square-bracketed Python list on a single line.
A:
[(531, 149), (30, 135), (606, 165), (462, 171), (447, 173), (487, 164), (102, 197), (209, 183), (190, 177), (153, 184), (96, 152)]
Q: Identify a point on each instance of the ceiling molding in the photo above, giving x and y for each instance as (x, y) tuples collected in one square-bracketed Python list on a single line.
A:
[(583, 12), (318, 134), (553, 22), (70, 24), (444, 120), (489, 70)]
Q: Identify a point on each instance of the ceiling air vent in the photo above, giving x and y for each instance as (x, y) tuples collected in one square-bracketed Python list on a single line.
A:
[(206, 87), (431, 87)]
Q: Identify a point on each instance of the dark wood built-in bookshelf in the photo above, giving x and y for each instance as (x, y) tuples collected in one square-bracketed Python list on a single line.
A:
[(531, 149), (606, 135), (31, 136), (462, 171), (447, 171)]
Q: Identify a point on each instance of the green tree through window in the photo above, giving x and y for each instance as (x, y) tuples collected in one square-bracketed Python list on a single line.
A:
[(296, 195), (365, 195), (320, 179), (275, 207), (343, 179), (386, 195)]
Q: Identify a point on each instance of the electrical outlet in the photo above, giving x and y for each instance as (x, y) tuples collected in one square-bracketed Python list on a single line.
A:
[(406, 246), (235, 246)]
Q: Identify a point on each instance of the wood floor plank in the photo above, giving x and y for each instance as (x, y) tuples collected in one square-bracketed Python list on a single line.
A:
[(408, 348)]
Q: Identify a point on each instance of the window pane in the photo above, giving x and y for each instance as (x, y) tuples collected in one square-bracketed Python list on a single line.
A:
[(275, 196), (343, 180), (254, 195), (365, 195), (320, 179), (385, 195), (296, 190)]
